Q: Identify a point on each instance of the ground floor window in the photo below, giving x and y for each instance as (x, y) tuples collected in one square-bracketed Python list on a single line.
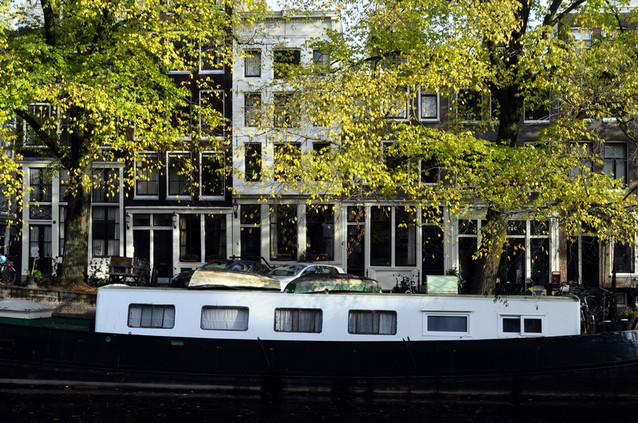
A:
[(190, 246), (215, 237), (392, 236), (320, 233), (283, 232), (105, 231)]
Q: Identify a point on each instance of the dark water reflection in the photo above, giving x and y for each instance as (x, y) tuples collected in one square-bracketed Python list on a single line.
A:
[(28, 405)]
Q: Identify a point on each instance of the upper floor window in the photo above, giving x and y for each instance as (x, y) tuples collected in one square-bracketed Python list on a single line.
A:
[(624, 258), (398, 105), (428, 106), (473, 106), (287, 159), (615, 160), (252, 161), (106, 186), (286, 113), (539, 108), (252, 63), (42, 114), (212, 113), (210, 58), (178, 174), (147, 176), (212, 174), (252, 109), (583, 37), (285, 61)]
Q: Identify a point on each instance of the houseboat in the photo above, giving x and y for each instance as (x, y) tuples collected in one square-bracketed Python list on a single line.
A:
[(343, 343)]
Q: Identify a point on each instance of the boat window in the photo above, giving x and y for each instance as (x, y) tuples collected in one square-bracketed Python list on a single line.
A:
[(372, 322), (514, 324), (224, 318), (437, 323), (298, 320), (151, 316)]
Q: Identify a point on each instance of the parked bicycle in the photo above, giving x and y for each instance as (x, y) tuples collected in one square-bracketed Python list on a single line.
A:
[(404, 284), (7, 270)]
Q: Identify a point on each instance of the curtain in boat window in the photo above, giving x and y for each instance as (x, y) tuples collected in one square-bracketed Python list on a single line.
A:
[(151, 316), (224, 318), (372, 322), (298, 320)]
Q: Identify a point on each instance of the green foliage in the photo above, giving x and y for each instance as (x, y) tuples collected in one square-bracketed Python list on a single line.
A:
[(511, 54)]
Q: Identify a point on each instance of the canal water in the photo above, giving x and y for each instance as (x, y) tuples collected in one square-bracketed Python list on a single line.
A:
[(34, 406)]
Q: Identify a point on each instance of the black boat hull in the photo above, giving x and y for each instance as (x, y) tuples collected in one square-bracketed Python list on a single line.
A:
[(603, 364)]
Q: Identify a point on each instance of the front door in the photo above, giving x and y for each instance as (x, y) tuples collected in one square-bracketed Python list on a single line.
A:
[(163, 255)]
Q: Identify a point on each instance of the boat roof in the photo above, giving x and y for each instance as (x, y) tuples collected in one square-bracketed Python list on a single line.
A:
[(338, 282), (223, 278)]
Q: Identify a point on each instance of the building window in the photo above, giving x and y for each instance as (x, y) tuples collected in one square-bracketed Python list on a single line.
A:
[(307, 320), (428, 106), (212, 113), (252, 109), (147, 176), (252, 63), (405, 237), (285, 61), (41, 113), (623, 259), (40, 195), (224, 318), (473, 106), (105, 231), (210, 58), (215, 237), (61, 227), (320, 233), (158, 316), (178, 174), (538, 109), (40, 242), (252, 161), (182, 118), (372, 322), (287, 160), (381, 236), (446, 323), (212, 174), (106, 186), (190, 241), (615, 160), (286, 113), (398, 106), (522, 325), (283, 232), (583, 37)]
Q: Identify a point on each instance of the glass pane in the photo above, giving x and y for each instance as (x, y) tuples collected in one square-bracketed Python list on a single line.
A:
[(532, 325), (512, 324), (447, 324)]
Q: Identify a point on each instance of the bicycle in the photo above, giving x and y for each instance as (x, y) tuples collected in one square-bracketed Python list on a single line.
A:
[(7, 270), (404, 284)]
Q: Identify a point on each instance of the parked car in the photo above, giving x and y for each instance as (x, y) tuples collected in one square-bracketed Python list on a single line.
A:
[(290, 272), (182, 279)]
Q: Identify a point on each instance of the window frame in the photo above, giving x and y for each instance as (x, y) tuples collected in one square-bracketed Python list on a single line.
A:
[(239, 324), (254, 56), (421, 94), (167, 321), (443, 315), (297, 317), (522, 327), (354, 326), (184, 155)]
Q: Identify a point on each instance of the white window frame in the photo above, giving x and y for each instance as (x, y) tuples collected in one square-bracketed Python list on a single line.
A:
[(220, 94), (169, 156), (219, 196), (137, 195), (422, 93), (521, 333), (426, 314)]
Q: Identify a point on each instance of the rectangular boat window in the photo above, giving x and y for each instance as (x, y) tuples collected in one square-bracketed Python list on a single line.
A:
[(446, 323), (151, 316), (512, 324), (224, 318), (532, 325), (372, 322), (298, 320), (522, 325)]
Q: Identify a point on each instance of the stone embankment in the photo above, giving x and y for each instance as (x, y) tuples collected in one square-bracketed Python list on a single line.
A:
[(65, 302)]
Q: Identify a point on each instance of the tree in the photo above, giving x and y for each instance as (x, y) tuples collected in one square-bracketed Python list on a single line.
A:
[(88, 81), (491, 61)]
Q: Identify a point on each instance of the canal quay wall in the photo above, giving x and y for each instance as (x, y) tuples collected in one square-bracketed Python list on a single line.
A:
[(65, 302)]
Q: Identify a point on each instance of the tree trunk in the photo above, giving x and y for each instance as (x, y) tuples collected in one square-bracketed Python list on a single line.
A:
[(493, 241), (76, 230)]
